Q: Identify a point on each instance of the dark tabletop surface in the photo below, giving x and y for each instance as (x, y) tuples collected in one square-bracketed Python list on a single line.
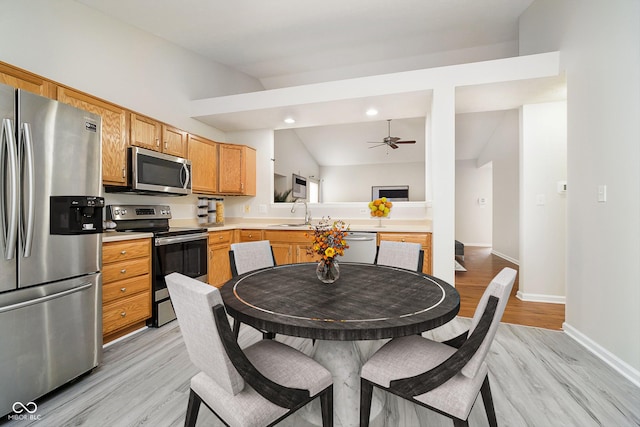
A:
[(366, 302)]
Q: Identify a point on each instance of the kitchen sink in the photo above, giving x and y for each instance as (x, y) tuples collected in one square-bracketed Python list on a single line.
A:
[(291, 225)]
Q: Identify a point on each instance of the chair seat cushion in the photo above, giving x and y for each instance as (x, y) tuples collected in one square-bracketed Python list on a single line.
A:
[(409, 356), (276, 361)]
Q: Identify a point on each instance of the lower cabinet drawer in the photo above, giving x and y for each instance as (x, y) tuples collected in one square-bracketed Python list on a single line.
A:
[(126, 311), (124, 288), (125, 269)]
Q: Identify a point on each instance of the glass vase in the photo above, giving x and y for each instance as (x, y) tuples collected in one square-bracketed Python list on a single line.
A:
[(328, 271)]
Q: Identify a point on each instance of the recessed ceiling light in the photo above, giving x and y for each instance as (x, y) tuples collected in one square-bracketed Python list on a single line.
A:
[(372, 112), (289, 120)]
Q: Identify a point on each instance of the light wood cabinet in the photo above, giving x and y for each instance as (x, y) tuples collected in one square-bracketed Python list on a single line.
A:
[(126, 287), (25, 80), (145, 132), (148, 133), (423, 238), (250, 235), (114, 133), (237, 170), (290, 246), (219, 266), (203, 154), (174, 141)]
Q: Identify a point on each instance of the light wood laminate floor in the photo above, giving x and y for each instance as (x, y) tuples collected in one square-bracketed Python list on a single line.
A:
[(538, 377), (481, 267)]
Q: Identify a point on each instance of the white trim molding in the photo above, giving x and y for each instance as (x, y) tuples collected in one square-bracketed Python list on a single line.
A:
[(508, 258), (552, 299), (603, 354)]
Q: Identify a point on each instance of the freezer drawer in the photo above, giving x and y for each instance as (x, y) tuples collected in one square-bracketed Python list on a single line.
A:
[(50, 335)]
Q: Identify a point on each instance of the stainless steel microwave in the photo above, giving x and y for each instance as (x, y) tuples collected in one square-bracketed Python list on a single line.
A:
[(150, 172)]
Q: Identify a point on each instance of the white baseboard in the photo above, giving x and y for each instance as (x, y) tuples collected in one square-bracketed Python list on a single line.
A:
[(552, 299), (508, 258), (479, 245), (137, 331), (605, 355)]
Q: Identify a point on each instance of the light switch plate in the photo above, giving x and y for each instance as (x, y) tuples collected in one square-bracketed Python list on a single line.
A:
[(602, 193)]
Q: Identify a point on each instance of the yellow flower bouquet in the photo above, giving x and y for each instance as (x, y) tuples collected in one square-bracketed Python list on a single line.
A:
[(328, 242)]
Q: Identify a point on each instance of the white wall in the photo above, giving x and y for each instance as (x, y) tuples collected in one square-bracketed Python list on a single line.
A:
[(474, 223), (72, 44), (353, 183), (543, 163), (506, 206), (599, 51), (291, 157)]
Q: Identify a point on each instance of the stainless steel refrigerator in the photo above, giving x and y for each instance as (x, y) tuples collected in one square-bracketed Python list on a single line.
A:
[(50, 245)]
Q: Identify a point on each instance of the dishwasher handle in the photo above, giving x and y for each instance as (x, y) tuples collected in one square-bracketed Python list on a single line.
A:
[(359, 238)]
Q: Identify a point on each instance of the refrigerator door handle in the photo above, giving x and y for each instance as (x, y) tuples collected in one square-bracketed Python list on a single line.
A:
[(29, 219), (185, 184), (9, 212), (45, 298)]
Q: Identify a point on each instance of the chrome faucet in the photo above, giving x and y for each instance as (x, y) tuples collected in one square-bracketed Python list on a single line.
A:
[(307, 211)]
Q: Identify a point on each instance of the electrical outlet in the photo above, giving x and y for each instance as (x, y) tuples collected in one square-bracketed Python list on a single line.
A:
[(247, 208), (262, 209), (364, 211)]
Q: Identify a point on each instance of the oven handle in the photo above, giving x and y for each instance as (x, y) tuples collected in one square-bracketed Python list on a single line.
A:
[(163, 241)]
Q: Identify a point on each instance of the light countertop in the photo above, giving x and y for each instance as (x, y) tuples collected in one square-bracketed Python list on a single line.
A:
[(389, 226)]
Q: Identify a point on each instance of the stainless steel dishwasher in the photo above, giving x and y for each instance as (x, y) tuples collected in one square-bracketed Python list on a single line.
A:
[(362, 247)]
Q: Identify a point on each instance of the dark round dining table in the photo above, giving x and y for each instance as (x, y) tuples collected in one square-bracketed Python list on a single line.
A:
[(367, 302)]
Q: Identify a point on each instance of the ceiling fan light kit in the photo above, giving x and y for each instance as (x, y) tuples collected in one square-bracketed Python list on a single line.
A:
[(389, 140)]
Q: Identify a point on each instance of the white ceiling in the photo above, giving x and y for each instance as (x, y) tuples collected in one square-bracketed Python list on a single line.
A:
[(284, 42)]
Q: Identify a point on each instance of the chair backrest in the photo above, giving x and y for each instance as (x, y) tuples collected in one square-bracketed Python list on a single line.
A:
[(499, 287), (399, 254), (193, 303), (249, 256)]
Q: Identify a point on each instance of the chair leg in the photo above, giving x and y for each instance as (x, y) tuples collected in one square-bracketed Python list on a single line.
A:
[(460, 423), (487, 399), (366, 392), (326, 406), (236, 328), (192, 409)]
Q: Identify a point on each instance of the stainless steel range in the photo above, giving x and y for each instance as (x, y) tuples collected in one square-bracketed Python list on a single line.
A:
[(181, 250)]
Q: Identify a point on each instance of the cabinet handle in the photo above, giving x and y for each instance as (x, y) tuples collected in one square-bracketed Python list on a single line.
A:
[(158, 142), (166, 145), (123, 252), (402, 240), (124, 270), (124, 172), (123, 290), (220, 237), (124, 313)]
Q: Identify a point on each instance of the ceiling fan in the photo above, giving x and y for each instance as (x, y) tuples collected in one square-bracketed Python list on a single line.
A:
[(391, 141)]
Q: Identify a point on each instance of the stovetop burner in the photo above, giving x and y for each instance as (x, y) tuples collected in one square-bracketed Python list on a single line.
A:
[(147, 218)]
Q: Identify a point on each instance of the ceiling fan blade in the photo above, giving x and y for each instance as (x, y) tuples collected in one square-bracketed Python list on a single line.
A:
[(379, 144), (393, 145), (405, 142)]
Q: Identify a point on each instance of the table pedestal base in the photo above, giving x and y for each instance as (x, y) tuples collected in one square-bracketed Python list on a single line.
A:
[(344, 360)]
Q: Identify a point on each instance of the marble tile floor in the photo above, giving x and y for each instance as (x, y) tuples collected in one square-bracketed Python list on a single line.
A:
[(538, 378)]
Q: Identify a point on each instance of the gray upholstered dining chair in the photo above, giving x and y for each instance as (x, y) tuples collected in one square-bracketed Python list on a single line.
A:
[(444, 377), (248, 256), (400, 254), (256, 386)]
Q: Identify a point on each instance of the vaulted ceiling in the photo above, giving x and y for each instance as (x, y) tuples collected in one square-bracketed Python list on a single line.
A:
[(291, 42)]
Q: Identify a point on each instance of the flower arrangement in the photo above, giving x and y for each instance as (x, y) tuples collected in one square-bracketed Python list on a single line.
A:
[(380, 207), (328, 239)]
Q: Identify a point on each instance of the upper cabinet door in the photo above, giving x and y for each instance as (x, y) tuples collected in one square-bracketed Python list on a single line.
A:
[(204, 165), (174, 141), (145, 132), (21, 79), (231, 171), (114, 133)]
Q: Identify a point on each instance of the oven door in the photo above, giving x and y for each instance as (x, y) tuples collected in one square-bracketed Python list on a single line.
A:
[(185, 254)]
